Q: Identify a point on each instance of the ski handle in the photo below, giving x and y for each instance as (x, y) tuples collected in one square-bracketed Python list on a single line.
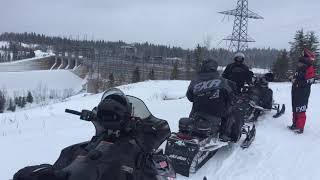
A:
[(85, 115)]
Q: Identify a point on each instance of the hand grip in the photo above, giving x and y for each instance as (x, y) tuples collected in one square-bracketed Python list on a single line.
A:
[(73, 112)]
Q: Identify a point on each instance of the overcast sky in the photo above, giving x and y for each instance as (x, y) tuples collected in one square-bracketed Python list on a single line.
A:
[(171, 22)]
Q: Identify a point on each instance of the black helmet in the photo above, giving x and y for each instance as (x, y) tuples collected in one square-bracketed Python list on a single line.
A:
[(114, 110), (263, 82), (209, 65)]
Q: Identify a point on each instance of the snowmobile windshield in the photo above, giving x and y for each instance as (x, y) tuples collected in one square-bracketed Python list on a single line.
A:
[(139, 108), (112, 91)]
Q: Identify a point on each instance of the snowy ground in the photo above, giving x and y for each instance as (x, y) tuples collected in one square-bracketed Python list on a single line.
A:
[(37, 135), (21, 82)]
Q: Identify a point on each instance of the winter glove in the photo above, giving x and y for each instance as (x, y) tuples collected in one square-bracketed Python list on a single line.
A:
[(40, 172)]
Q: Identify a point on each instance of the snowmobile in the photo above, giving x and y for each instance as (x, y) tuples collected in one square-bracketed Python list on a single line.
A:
[(258, 99), (198, 140), (119, 155), (147, 134)]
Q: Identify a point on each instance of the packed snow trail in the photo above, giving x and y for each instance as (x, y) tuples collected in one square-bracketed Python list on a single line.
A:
[(37, 135)]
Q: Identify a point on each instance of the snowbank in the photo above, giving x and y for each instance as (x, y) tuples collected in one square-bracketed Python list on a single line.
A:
[(31, 80), (40, 53), (37, 135)]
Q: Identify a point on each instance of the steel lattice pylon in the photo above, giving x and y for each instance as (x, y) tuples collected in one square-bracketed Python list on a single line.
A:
[(239, 39)]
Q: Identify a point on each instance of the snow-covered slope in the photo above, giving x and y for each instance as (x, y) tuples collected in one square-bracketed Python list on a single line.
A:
[(37, 135), (31, 80)]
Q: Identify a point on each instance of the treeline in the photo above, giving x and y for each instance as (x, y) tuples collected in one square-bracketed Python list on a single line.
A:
[(263, 58), (15, 51), (287, 60), (10, 104)]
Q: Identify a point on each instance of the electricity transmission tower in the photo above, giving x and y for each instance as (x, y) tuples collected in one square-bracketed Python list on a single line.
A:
[(239, 39)]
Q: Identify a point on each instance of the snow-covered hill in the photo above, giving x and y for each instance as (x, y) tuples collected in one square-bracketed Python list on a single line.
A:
[(21, 82), (37, 135)]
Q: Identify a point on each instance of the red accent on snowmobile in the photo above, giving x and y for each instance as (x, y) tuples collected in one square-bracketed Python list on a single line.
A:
[(183, 136)]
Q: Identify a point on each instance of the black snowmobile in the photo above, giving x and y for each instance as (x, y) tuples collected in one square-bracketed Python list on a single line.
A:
[(116, 156), (198, 140), (258, 99)]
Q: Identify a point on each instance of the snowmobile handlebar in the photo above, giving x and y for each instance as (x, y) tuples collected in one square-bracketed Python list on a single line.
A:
[(85, 115), (73, 112)]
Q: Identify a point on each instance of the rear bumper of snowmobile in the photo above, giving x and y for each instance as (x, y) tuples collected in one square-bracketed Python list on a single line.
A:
[(188, 155)]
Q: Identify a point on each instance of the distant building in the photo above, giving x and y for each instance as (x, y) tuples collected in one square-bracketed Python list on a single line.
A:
[(128, 51)]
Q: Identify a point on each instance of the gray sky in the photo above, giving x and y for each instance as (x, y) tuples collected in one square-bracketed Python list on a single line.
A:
[(171, 22)]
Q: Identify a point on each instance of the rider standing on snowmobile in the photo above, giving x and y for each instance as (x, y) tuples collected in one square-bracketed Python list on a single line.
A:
[(301, 88), (238, 72), (212, 96)]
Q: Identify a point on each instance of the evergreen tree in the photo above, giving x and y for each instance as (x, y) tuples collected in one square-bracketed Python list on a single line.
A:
[(136, 75), (31, 54), (175, 71), (16, 101), (313, 45), (152, 75), (297, 47), (23, 102), (301, 41), (19, 101), (188, 67), (111, 80), (198, 54), (2, 102), (280, 67), (29, 97), (12, 106)]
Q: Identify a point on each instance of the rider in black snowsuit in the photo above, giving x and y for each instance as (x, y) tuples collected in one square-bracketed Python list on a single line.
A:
[(212, 96), (238, 72), (114, 155)]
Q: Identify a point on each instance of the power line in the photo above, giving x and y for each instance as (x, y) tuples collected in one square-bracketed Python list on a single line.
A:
[(239, 39)]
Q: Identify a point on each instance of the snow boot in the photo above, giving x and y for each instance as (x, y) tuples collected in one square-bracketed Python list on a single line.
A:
[(292, 127), (298, 131)]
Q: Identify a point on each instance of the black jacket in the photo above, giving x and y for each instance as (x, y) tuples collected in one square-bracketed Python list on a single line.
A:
[(211, 94), (301, 88), (238, 73)]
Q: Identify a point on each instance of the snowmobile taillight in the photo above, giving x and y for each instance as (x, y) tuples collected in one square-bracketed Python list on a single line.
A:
[(184, 136), (163, 164)]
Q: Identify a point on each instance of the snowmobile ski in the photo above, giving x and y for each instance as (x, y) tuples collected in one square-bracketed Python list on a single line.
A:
[(250, 136)]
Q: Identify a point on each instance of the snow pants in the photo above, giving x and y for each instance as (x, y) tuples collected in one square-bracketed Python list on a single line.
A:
[(300, 99)]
